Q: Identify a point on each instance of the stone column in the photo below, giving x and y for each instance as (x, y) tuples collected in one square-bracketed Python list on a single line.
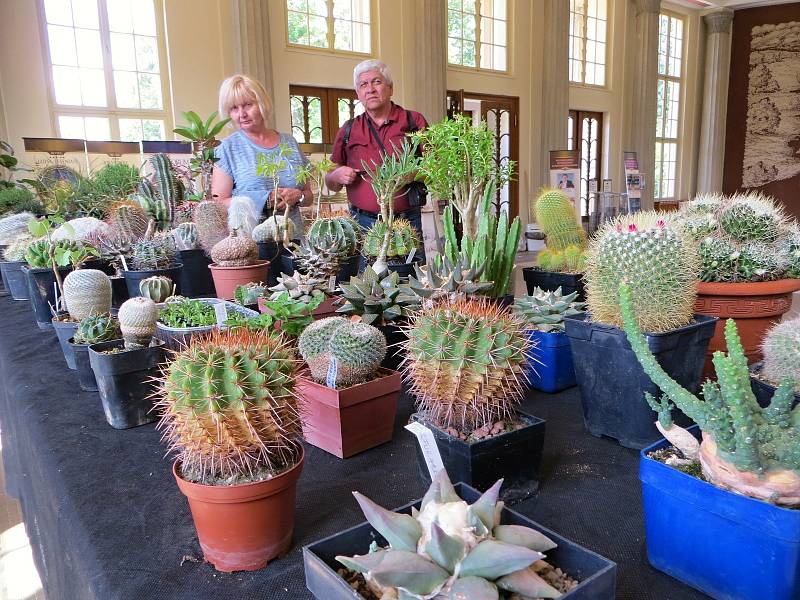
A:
[(430, 43), (644, 92), (555, 83), (251, 34), (715, 101)]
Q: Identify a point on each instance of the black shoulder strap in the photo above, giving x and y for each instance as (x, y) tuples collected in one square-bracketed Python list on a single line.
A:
[(410, 124), (348, 126)]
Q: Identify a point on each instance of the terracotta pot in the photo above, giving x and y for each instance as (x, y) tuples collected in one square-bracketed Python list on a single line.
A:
[(227, 279), (755, 306), (348, 421), (243, 527)]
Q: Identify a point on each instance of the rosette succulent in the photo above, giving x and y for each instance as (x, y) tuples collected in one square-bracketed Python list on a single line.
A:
[(545, 311)]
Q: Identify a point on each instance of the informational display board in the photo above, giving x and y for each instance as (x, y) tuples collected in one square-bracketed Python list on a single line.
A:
[(565, 175), (634, 181)]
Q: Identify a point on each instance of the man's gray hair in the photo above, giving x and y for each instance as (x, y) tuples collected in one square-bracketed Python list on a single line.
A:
[(373, 64)]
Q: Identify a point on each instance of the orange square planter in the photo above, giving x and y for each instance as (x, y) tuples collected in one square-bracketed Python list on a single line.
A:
[(348, 421)]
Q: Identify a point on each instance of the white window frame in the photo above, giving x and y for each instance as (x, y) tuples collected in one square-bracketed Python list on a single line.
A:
[(330, 49), (479, 43), (583, 42), (111, 111), (678, 129)]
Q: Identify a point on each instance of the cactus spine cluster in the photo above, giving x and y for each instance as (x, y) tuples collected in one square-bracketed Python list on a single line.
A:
[(450, 549), (235, 251), (153, 253), (229, 408), (137, 321), (185, 236), (87, 292), (545, 311), (272, 229), (564, 236), (338, 233), (157, 288), (211, 219), (781, 349), (465, 362), (128, 220), (97, 328), (356, 348), (653, 257)]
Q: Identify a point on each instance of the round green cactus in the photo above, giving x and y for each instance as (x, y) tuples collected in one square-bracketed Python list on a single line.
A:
[(751, 217), (157, 288), (97, 328), (658, 263), (137, 322), (781, 349), (403, 239), (557, 219), (87, 292), (340, 233)]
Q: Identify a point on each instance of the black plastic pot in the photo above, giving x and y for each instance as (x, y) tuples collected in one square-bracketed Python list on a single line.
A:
[(550, 281), (133, 278), (763, 390), (515, 456), (65, 330), (100, 264), (596, 575), (42, 294), (613, 384), (394, 351), (119, 291), (83, 367), (194, 280), (124, 380), (272, 252), (14, 279)]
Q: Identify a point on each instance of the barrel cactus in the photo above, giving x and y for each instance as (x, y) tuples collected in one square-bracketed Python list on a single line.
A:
[(403, 239), (272, 229), (211, 219), (12, 226), (137, 321), (228, 406), (87, 292), (545, 311), (97, 328), (556, 217), (781, 349), (449, 549), (658, 262), (339, 233), (185, 236), (340, 352), (154, 253), (127, 219), (465, 362), (157, 288), (235, 251)]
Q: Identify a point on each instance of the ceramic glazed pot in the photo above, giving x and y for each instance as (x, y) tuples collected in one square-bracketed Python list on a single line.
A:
[(227, 279)]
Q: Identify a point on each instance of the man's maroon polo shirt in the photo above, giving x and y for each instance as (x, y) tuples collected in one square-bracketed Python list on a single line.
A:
[(362, 146)]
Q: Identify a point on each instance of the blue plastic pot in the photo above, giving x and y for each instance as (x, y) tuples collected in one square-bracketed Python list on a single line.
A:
[(725, 545), (551, 370)]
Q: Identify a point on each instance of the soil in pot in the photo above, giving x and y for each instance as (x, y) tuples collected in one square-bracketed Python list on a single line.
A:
[(14, 279), (133, 278), (65, 329)]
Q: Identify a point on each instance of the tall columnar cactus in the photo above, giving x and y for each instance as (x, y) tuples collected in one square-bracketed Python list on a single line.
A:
[(341, 352), (745, 448), (12, 226), (658, 262), (137, 321), (157, 288), (185, 236), (127, 219), (228, 406), (341, 233), (465, 362), (272, 229), (162, 192), (235, 251), (97, 328), (211, 219), (557, 219), (781, 349), (87, 292), (452, 550)]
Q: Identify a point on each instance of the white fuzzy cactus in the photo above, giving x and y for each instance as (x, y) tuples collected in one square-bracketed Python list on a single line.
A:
[(12, 226), (87, 292), (242, 215), (271, 230), (81, 229), (137, 320), (781, 348)]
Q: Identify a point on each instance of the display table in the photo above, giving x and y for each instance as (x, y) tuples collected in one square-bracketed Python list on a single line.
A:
[(106, 520)]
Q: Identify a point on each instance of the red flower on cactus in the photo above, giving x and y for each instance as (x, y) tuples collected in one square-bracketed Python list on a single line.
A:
[(632, 228), (661, 224)]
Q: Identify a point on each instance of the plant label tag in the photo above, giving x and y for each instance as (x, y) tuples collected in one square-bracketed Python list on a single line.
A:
[(222, 314), (332, 283), (124, 263), (410, 256), (333, 370), (427, 444)]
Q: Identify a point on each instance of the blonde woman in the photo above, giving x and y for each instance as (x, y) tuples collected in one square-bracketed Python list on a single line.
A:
[(246, 102)]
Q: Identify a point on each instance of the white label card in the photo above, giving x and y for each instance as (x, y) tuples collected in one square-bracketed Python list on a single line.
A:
[(222, 314), (410, 256), (124, 264), (333, 371), (427, 443), (332, 283)]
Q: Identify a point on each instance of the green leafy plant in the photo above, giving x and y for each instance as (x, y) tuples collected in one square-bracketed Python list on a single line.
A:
[(203, 135), (293, 315), (270, 166), (545, 311), (187, 313), (19, 200), (249, 293), (115, 180), (315, 171)]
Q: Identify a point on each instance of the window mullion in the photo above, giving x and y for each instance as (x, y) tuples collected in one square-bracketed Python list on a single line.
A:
[(330, 25), (108, 69), (478, 34)]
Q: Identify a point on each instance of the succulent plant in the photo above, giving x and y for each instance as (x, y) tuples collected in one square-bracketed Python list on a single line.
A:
[(235, 251), (127, 219), (660, 265), (79, 229), (249, 293), (376, 299), (137, 321), (465, 362), (211, 219), (341, 234), (571, 259), (154, 253), (751, 217), (271, 230), (781, 349), (159, 194), (38, 252), (16, 199), (745, 448), (442, 277), (556, 217), (449, 549), (97, 328), (545, 311), (242, 215), (229, 408), (316, 261), (792, 252), (340, 352), (402, 240), (300, 287), (15, 251), (158, 288), (185, 236), (12, 226), (87, 292)]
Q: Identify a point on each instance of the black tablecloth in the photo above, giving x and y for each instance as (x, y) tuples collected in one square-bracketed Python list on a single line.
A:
[(106, 520)]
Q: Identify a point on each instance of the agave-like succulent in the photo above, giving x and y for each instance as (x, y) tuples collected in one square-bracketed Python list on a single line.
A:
[(377, 299), (443, 276), (545, 311), (300, 287), (452, 550)]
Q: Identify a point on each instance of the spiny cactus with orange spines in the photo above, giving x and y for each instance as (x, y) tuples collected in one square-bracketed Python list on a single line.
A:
[(466, 362), (229, 408)]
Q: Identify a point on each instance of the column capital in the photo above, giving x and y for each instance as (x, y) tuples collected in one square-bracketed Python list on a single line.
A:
[(647, 6), (718, 21)]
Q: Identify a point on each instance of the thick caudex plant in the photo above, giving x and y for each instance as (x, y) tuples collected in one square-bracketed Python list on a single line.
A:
[(341, 353), (337, 233), (465, 362), (376, 299), (97, 328), (564, 236), (157, 288), (272, 229), (235, 251), (87, 292), (545, 311), (451, 550), (137, 322), (659, 263), (781, 350), (751, 450), (228, 406)]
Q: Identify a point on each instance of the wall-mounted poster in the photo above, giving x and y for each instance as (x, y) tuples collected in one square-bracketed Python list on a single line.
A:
[(634, 180), (565, 175)]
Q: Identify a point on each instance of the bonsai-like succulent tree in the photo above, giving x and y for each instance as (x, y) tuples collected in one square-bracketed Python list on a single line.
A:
[(203, 135), (564, 236), (315, 171), (270, 166)]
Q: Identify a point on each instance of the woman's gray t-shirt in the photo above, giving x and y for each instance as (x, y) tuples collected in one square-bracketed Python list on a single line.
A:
[(237, 158)]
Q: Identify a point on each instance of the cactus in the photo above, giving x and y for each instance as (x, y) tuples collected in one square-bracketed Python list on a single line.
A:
[(137, 322), (229, 408), (300, 287), (128, 220), (97, 328), (272, 229), (545, 311), (185, 236), (465, 362), (450, 549), (660, 265), (570, 260), (15, 251), (402, 240), (87, 292), (155, 253), (745, 448), (557, 219), (211, 220), (157, 288), (235, 251), (442, 277), (792, 252), (38, 256), (160, 194), (79, 229), (12, 226), (242, 215), (341, 234), (781, 349), (751, 217), (341, 352), (376, 299), (317, 261)]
